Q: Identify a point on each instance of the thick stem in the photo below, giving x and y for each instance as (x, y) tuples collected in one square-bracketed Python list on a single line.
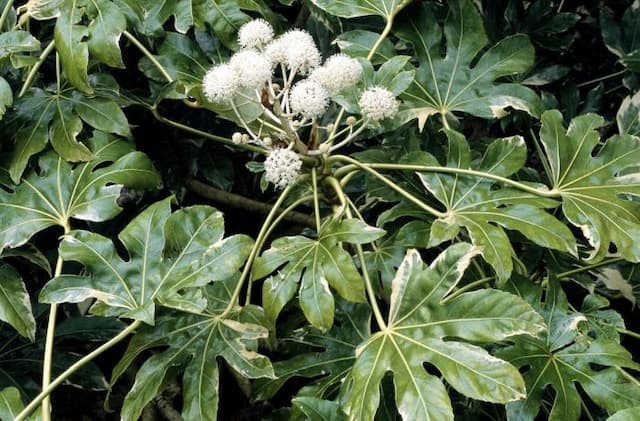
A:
[(75, 367), (368, 168), (255, 249), (5, 12), (205, 135), (589, 267), (601, 78), (291, 134), (36, 66), (363, 265), (47, 363), (446, 170), (148, 54), (316, 202), (244, 203)]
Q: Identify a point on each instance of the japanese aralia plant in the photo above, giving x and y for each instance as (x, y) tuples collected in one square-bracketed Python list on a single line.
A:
[(405, 266)]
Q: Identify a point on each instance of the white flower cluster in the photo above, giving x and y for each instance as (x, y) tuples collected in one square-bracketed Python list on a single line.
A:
[(296, 50), (377, 103), (338, 72), (309, 98), (255, 34), (248, 68), (282, 167)]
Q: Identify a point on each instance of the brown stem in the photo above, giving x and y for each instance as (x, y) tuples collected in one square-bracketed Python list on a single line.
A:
[(240, 202)]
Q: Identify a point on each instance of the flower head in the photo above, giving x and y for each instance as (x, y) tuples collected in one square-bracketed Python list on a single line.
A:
[(220, 84), (296, 49), (377, 103), (254, 69), (255, 34), (338, 72), (309, 98), (282, 167)]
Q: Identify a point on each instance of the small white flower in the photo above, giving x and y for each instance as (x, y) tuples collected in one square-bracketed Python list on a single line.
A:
[(282, 167), (276, 51), (377, 103), (220, 84), (254, 69), (338, 72), (255, 34), (309, 98)]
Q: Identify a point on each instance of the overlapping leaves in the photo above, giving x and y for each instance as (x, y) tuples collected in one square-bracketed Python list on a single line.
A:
[(194, 342), (60, 191), (316, 264), (167, 253), (418, 323), (475, 204), (59, 118), (329, 366), (595, 181), (562, 357), (621, 39), (448, 84)]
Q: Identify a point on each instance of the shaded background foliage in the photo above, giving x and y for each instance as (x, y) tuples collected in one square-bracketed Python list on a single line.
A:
[(107, 89)]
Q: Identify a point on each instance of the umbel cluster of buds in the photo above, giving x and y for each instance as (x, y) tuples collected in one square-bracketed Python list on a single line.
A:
[(286, 77)]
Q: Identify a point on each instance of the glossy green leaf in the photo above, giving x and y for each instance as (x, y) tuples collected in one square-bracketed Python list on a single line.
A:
[(317, 409), (316, 265), (14, 42), (71, 44), (449, 83), (42, 116), (630, 414), (329, 366), (60, 191), (167, 253), (30, 253), (192, 344), (358, 43), (621, 38), (355, 8), (563, 357), (15, 304), (474, 203), (418, 322), (594, 186), (105, 30), (628, 116), (10, 403), (6, 96), (602, 322)]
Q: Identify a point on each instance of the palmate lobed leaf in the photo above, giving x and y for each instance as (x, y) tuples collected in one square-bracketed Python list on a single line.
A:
[(194, 342), (60, 191), (596, 182), (167, 254), (448, 84), (563, 357), (43, 117), (421, 328), (316, 265), (475, 204)]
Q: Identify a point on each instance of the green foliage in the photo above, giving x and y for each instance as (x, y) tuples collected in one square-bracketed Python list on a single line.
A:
[(482, 264)]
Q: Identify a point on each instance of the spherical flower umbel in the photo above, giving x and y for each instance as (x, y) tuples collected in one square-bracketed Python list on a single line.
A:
[(254, 69), (338, 72), (297, 50), (220, 84), (255, 34), (282, 167), (309, 98), (377, 103)]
